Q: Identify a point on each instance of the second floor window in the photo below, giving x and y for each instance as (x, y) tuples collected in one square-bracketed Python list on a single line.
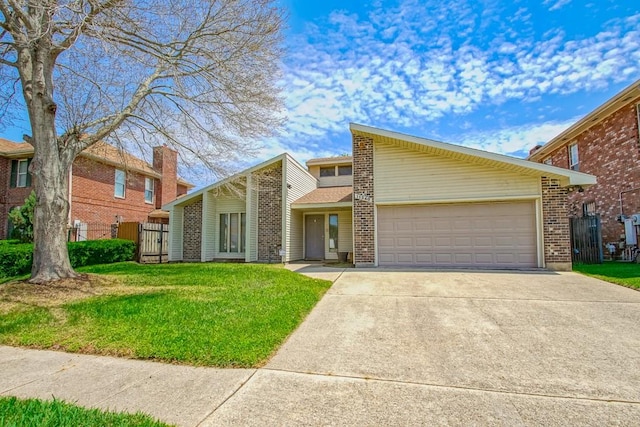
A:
[(120, 185), (573, 157), (148, 190), (345, 170), (328, 171), (20, 176)]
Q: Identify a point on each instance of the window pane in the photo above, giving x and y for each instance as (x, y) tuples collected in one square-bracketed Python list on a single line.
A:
[(233, 233), (573, 157), (243, 233), (119, 183), (224, 230), (22, 166), (148, 190), (329, 171), (345, 170), (333, 233)]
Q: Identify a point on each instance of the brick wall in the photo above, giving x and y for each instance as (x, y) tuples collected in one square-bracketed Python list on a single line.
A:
[(557, 243), (93, 199), (192, 233), (609, 150), (9, 197), (269, 185), (363, 210)]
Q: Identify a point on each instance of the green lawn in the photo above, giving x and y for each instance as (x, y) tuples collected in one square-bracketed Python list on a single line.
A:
[(226, 315), (622, 273), (33, 412)]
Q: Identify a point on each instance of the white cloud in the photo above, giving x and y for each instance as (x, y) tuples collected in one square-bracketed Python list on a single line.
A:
[(417, 63), (556, 4)]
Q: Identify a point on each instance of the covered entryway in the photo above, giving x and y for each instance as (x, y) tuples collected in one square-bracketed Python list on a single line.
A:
[(314, 237), (497, 234)]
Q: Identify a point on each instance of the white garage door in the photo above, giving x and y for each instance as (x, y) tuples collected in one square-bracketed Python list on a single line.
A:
[(461, 235)]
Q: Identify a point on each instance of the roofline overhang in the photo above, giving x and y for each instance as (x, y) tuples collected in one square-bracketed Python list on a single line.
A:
[(340, 160), (330, 205), (187, 197), (615, 103), (567, 177)]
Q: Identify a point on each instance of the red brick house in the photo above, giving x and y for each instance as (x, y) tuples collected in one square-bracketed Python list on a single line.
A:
[(604, 143), (106, 185), (399, 201)]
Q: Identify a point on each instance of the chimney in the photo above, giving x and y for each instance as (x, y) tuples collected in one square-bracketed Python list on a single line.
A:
[(165, 162), (534, 149)]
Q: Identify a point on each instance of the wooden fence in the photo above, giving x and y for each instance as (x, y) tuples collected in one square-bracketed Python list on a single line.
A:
[(586, 240), (151, 240)]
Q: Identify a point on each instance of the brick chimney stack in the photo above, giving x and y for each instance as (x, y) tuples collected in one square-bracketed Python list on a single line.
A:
[(165, 162)]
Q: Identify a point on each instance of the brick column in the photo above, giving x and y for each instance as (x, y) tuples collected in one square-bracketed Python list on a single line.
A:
[(557, 236), (364, 252), (192, 234), (269, 184)]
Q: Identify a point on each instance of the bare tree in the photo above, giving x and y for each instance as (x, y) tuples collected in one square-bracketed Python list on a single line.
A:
[(199, 75)]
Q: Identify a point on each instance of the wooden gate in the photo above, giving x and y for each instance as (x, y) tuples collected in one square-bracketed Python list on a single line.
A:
[(151, 240), (586, 240)]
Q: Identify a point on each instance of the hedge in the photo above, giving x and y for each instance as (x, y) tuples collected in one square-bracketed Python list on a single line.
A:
[(16, 258)]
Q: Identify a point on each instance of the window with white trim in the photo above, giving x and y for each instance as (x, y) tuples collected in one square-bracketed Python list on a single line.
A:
[(573, 157), (333, 233), (148, 189), (232, 232), (120, 184), (22, 173)]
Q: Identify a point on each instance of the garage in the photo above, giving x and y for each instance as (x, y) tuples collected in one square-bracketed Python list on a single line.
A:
[(486, 235)]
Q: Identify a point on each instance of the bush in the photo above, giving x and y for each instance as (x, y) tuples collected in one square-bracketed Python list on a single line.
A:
[(22, 219), (16, 258), (92, 252)]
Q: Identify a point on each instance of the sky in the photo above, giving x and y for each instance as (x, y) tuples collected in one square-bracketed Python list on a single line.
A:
[(501, 76), (497, 75)]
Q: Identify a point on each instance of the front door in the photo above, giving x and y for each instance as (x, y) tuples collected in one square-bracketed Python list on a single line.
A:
[(314, 237)]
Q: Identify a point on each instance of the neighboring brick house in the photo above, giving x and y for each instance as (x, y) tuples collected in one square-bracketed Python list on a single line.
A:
[(604, 143), (106, 185), (399, 201)]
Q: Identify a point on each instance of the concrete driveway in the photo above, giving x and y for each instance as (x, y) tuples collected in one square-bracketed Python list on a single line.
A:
[(390, 347)]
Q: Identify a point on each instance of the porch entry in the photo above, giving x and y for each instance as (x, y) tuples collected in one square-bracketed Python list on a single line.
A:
[(314, 236)]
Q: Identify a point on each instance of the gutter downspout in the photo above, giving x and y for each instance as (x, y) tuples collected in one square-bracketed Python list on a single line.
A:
[(623, 192)]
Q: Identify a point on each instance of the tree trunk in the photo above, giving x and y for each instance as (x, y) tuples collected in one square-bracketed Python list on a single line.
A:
[(50, 168), (50, 254)]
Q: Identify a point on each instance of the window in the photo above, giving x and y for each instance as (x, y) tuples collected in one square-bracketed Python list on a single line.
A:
[(148, 190), (328, 171), (121, 179), (638, 114), (333, 233), (548, 161), (20, 176), (589, 208), (573, 157), (232, 232), (345, 170)]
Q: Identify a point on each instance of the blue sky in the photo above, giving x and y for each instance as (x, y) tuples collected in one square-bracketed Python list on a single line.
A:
[(497, 75)]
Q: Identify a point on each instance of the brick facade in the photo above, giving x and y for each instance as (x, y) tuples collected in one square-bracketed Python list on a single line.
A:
[(192, 233), (555, 226), (93, 199), (10, 197), (268, 182), (363, 207), (610, 150)]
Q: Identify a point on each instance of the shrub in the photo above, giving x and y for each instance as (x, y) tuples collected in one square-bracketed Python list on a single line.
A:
[(16, 258), (22, 219), (92, 252)]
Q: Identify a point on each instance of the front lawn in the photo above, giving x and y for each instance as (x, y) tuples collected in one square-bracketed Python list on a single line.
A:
[(34, 412), (225, 315), (621, 273)]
